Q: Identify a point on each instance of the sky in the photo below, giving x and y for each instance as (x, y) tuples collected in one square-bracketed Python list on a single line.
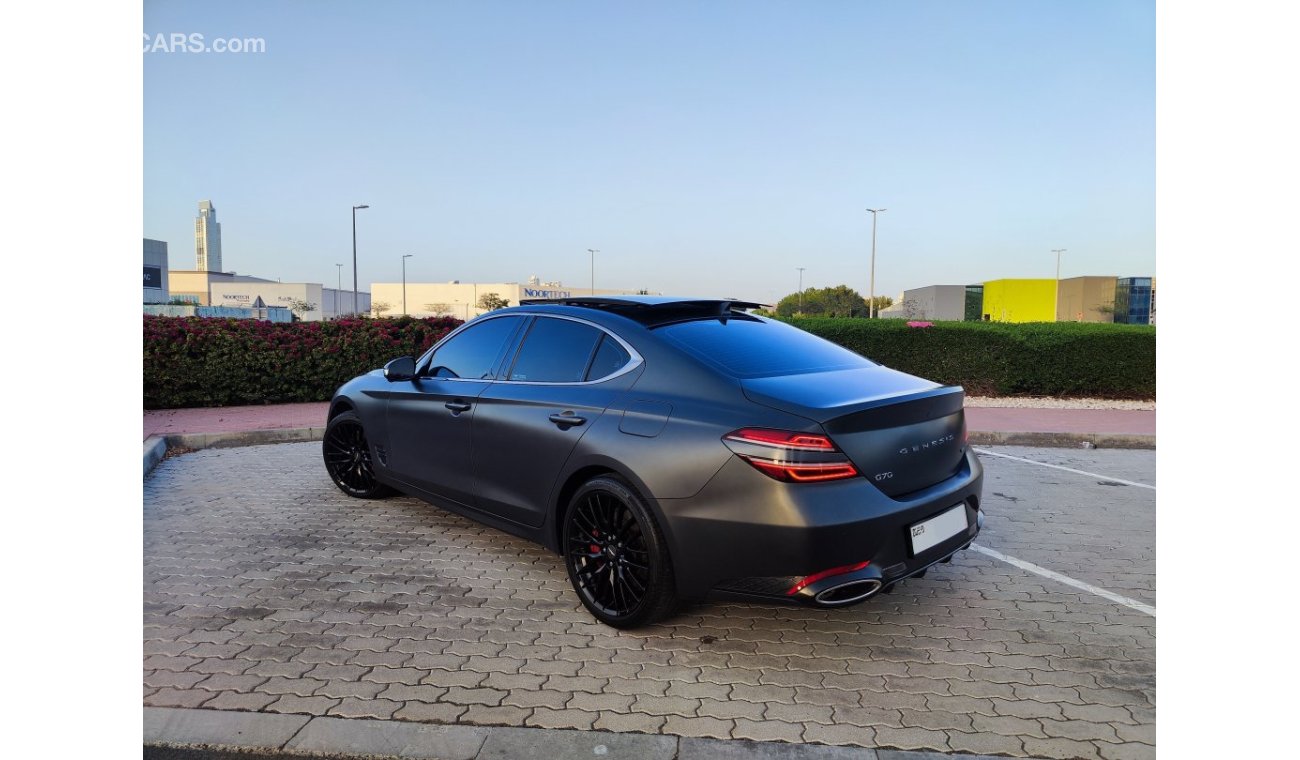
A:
[(706, 149)]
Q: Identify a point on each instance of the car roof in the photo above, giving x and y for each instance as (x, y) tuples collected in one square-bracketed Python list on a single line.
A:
[(650, 311)]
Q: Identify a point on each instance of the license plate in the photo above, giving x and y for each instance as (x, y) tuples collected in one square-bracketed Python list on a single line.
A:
[(938, 529)]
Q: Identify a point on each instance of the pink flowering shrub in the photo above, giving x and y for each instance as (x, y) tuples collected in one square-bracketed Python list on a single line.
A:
[(192, 361)]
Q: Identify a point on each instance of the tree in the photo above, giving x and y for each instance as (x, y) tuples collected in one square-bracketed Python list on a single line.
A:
[(492, 302), (437, 308), (379, 307), (839, 301), (300, 307), (882, 303)]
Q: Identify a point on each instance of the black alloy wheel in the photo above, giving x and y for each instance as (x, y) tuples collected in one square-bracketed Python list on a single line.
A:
[(616, 557), (347, 458)]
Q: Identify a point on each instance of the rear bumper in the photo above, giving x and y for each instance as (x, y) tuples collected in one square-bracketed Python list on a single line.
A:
[(746, 536)]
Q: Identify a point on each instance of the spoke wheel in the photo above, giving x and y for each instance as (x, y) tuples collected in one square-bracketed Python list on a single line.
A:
[(347, 458), (615, 555)]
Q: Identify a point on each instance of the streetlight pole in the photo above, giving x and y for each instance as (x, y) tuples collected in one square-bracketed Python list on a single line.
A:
[(871, 302), (405, 256), (800, 288), (593, 252), (1056, 302), (354, 257)]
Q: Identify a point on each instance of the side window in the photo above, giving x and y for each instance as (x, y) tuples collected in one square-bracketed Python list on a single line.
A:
[(610, 358), (555, 351), (474, 352)]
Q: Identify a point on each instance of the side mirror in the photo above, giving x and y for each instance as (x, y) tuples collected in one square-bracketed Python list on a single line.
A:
[(400, 369)]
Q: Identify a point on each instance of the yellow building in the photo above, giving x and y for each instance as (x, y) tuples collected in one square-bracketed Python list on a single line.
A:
[(1086, 299), (1020, 300)]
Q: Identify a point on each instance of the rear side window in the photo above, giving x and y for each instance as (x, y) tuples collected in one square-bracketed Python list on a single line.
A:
[(610, 358), (555, 351), (473, 352), (746, 347)]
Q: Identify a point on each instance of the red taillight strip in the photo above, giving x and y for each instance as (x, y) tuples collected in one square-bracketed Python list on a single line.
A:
[(808, 472), (782, 439), (796, 588)]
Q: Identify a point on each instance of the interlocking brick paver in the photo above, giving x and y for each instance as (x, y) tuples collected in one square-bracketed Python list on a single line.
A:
[(169, 697), (266, 589), (767, 731), (427, 713), (912, 738), (289, 703), (620, 722), (545, 717), (985, 743), (844, 735), (232, 700)]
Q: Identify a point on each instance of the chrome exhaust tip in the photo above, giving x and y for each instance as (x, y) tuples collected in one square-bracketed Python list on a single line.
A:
[(848, 593)]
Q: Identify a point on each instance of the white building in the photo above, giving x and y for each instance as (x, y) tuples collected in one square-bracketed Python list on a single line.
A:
[(155, 271), (460, 299), (935, 302), (207, 239), (242, 291)]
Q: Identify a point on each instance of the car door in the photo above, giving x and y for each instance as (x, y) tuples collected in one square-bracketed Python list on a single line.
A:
[(430, 417), (562, 377)]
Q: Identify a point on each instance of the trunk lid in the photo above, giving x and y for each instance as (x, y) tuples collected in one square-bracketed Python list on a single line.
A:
[(902, 432)]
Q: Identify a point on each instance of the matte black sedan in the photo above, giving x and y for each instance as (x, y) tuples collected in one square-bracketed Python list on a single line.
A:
[(671, 449)]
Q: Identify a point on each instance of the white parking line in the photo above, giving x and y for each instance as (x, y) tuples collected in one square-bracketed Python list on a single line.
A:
[(1067, 469), (1067, 580)]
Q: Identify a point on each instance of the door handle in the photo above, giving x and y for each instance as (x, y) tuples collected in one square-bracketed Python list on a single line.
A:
[(567, 419), (457, 407)]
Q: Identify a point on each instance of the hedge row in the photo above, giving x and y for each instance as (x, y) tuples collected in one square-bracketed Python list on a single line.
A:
[(995, 359), (192, 361)]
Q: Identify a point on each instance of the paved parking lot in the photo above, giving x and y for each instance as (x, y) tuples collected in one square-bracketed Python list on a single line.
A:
[(266, 589)]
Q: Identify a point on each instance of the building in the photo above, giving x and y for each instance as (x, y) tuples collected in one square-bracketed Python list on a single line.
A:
[(934, 302), (242, 291), (1135, 301), (1019, 300), (264, 314), (207, 239), (1085, 299), (155, 271), (327, 303), (460, 299)]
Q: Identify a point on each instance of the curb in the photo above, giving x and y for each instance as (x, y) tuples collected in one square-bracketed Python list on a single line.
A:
[(303, 735), (1062, 440)]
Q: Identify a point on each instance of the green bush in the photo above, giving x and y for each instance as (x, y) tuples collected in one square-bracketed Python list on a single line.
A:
[(996, 359), (193, 361)]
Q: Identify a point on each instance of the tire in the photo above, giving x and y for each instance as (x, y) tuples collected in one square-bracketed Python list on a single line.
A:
[(625, 580), (348, 460)]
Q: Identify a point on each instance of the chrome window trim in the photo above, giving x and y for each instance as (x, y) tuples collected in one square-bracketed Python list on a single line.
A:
[(635, 361)]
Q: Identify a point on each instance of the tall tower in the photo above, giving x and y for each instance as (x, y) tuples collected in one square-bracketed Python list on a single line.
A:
[(207, 238)]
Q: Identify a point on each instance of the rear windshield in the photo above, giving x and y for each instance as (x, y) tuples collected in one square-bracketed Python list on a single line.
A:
[(746, 347)]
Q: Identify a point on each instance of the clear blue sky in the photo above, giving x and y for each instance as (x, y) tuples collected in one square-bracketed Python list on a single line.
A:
[(705, 148)]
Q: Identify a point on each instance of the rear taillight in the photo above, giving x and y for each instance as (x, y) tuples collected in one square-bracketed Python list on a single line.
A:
[(783, 439), (790, 456), (803, 473)]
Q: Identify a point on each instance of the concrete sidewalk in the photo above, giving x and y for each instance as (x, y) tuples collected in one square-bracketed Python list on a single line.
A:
[(1103, 427)]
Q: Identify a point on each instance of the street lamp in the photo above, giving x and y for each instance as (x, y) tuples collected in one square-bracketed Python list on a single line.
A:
[(405, 256), (1056, 302), (354, 257), (801, 288), (871, 304), (593, 252)]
